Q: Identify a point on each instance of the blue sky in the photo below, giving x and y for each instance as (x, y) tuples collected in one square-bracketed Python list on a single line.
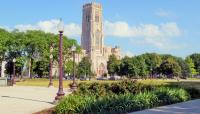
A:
[(137, 26)]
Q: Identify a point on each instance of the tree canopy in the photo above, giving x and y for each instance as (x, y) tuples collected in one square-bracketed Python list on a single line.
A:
[(31, 49)]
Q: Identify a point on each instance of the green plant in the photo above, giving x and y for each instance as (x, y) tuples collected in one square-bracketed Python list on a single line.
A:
[(74, 104), (168, 95), (121, 103)]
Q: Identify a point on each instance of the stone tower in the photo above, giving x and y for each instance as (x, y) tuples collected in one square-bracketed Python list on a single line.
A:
[(92, 32), (92, 40)]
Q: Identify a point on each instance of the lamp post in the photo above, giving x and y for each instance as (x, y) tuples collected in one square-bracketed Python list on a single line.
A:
[(60, 93), (13, 77), (50, 66), (74, 85), (151, 76)]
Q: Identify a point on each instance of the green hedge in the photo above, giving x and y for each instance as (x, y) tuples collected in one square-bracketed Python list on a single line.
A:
[(121, 103), (102, 89)]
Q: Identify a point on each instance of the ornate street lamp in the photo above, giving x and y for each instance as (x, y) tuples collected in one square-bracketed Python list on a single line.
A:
[(13, 77), (60, 93), (74, 85), (50, 66)]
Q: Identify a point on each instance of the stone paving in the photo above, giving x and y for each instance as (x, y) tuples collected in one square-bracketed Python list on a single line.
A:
[(189, 107), (26, 100)]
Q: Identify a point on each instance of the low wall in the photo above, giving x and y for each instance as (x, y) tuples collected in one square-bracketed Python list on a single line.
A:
[(3, 81)]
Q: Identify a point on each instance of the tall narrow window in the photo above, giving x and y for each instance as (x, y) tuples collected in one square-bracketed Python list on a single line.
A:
[(98, 39), (87, 18), (97, 18)]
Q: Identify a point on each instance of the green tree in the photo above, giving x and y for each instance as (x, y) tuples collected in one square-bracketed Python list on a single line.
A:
[(5, 36), (185, 70), (113, 65), (152, 61), (141, 66), (84, 67), (191, 65), (69, 67), (124, 66), (170, 68), (130, 67), (196, 59)]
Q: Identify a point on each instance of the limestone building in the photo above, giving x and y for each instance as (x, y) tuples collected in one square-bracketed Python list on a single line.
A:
[(92, 39)]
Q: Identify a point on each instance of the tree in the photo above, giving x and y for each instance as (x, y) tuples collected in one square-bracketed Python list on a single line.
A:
[(141, 66), (196, 59), (5, 36), (35, 43), (124, 66), (185, 70), (113, 65), (69, 67), (84, 67), (191, 65), (131, 67), (152, 61), (41, 68), (170, 68)]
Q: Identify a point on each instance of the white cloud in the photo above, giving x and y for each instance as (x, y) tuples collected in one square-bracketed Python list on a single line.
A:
[(156, 35), (165, 13), (151, 34), (71, 29)]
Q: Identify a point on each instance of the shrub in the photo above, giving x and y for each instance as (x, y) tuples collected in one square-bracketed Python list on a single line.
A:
[(121, 103), (145, 100), (73, 104), (120, 97), (122, 87), (168, 95), (95, 89)]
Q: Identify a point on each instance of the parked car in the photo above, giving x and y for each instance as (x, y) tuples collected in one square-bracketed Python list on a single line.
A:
[(84, 79), (101, 78), (115, 78)]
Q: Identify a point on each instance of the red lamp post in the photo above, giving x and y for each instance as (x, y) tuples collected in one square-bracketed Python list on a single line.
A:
[(50, 66), (74, 84), (60, 93)]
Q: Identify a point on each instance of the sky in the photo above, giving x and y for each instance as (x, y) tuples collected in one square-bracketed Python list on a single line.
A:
[(137, 26)]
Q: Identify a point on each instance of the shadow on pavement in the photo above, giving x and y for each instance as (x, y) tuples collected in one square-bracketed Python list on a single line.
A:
[(27, 99)]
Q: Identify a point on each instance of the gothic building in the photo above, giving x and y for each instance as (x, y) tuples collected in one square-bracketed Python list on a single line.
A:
[(92, 39)]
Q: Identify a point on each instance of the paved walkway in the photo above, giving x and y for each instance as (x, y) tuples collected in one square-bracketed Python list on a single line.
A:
[(190, 107), (26, 100)]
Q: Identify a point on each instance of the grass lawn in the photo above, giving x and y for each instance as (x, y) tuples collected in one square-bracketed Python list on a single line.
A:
[(44, 82)]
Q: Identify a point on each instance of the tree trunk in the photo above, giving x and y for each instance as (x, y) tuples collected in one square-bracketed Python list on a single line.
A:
[(30, 68)]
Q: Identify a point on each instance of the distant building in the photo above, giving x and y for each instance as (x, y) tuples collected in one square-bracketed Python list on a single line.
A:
[(92, 40)]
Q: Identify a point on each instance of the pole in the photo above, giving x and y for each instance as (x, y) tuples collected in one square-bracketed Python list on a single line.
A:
[(60, 93), (50, 65), (13, 80), (74, 85), (73, 67)]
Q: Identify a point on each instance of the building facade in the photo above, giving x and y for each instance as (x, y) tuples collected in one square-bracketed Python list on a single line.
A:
[(92, 39)]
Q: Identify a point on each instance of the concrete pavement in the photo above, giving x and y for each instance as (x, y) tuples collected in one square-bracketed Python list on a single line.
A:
[(26, 100), (189, 107)]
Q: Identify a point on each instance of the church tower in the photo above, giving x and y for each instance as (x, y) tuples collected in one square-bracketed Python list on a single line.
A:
[(92, 32)]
